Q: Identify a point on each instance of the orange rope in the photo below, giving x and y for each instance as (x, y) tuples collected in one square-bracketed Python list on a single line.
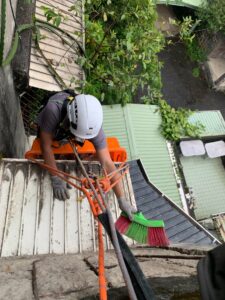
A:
[(53, 170), (106, 187), (101, 265)]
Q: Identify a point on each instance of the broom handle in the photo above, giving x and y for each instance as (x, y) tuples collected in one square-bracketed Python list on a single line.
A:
[(112, 227), (119, 255)]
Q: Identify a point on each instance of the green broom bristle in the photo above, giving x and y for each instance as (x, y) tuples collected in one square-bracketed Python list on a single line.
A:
[(140, 219), (137, 232), (142, 230)]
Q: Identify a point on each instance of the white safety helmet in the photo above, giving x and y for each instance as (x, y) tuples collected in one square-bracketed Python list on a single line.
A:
[(85, 116)]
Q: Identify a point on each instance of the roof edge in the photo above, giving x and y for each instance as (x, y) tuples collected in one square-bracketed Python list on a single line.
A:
[(196, 223)]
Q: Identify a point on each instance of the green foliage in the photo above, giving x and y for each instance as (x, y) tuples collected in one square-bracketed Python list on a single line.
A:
[(175, 123), (121, 50), (212, 15), (189, 38), (51, 15), (196, 72)]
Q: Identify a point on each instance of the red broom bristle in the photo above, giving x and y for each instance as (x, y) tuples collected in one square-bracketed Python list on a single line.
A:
[(157, 237), (122, 224)]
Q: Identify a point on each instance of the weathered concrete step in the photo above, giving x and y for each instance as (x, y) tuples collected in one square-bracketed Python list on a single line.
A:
[(68, 277)]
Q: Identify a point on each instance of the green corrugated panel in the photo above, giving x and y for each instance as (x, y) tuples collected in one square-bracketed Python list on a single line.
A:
[(186, 3), (114, 125), (206, 176), (212, 120), (137, 128)]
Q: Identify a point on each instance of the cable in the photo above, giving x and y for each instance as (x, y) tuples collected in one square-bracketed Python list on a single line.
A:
[(14, 18)]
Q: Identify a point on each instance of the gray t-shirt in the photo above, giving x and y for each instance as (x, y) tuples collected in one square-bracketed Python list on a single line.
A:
[(49, 118)]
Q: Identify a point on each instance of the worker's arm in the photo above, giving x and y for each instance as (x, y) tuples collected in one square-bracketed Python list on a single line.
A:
[(59, 186), (46, 148), (107, 163)]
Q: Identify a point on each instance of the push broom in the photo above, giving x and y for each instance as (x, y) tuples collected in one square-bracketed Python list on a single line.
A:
[(142, 230)]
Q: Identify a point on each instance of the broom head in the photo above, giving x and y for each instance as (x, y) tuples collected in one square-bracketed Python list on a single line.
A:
[(142, 230)]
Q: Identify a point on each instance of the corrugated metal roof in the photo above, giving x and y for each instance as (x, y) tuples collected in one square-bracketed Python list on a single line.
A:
[(61, 55), (212, 120), (206, 177), (33, 222), (180, 227), (185, 3), (137, 128), (114, 124)]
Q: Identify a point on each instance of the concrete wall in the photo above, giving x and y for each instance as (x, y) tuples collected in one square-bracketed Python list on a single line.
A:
[(12, 134)]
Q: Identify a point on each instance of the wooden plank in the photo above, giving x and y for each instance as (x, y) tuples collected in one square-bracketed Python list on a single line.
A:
[(41, 64), (70, 15), (42, 241), (72, 221), (37, 63), (70, 27), (86, 226), (69, 66), (55, 42), (58, 55), (63, 73), (44, 85), (61, 4), (13, 220), (57, 240), (47, 78), (5, 190), (28, 223)]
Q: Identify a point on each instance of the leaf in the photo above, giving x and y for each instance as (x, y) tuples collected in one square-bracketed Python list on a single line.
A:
[(57, 21)]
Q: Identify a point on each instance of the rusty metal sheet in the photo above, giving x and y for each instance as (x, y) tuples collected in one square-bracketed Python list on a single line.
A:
[(33, 222)]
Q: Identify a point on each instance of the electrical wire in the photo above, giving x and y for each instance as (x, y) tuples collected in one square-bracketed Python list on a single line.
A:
[(13, 14)]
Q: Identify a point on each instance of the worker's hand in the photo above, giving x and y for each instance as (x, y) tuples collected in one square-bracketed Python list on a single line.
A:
[(126, 207), (59, 188)]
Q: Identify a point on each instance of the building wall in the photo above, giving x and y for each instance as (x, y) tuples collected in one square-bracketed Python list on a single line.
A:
[(12, 134)]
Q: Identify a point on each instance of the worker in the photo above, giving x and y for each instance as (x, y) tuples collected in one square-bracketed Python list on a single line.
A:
[(81, 116)]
